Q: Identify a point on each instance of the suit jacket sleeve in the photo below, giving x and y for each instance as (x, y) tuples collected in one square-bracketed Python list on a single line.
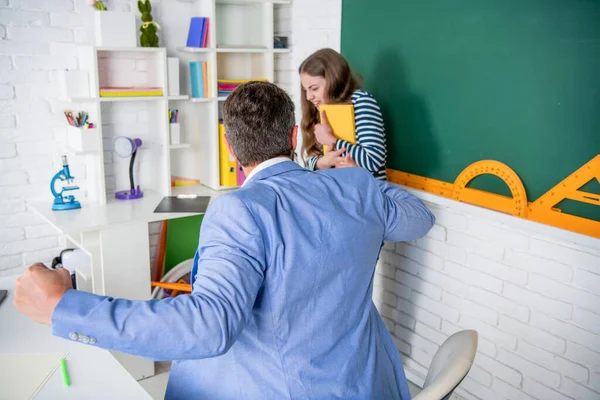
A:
[(405, 216), (203, 324)]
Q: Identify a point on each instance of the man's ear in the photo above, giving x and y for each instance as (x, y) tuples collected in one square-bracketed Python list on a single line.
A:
[(294, 138), (229, 147)]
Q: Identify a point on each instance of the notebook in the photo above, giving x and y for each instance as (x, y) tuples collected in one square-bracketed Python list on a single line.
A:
[(172, 204), (341, 119)]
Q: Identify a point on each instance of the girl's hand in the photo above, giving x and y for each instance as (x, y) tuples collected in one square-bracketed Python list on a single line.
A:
[(330, 159), (323, 132), (346, 162)]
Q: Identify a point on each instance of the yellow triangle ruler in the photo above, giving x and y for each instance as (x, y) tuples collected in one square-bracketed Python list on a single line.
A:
[(542, 210)]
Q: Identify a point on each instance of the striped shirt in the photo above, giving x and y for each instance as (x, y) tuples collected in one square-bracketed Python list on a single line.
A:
[(370, 149)]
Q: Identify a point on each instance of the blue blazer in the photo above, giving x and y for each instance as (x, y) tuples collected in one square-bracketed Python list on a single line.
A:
[(281, 305)]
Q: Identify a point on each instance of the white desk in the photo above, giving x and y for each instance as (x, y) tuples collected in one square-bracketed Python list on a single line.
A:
[(115, 236), (94, 373)]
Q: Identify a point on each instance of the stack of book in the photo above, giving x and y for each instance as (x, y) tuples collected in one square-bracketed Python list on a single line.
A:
[(226, 86), (109, 91), (199, 74), (198, 33)]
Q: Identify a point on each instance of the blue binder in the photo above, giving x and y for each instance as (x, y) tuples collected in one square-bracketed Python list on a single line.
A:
[(196, 32), (196, 79)]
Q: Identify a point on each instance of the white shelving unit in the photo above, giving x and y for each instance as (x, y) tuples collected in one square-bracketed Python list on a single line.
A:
[(240, 46), (125, 67)]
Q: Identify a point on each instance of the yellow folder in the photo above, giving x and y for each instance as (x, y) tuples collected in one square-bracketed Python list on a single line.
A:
[(341, 119), (227, 170)]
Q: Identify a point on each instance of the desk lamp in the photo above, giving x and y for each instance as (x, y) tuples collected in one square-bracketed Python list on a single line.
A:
[(125, 147)]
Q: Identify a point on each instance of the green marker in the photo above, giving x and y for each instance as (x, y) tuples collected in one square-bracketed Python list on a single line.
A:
[(65, 373)]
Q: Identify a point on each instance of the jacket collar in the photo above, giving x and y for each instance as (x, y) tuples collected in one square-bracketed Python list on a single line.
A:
[(277, 169)]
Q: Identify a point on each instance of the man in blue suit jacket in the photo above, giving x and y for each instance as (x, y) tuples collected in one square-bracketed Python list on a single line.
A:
[(281, 305)]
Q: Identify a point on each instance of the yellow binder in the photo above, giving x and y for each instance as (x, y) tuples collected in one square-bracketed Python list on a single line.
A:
[(341, 119), (227, 170)]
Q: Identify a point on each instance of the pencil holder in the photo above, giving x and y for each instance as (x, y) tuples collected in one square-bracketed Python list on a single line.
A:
[(74, 83), (175, 133), (84, 140)]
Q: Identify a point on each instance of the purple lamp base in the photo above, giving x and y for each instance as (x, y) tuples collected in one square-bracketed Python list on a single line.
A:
[(131, 194)]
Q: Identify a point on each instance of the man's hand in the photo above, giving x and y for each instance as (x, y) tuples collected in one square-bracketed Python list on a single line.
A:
[(39, 290), (330, 159)]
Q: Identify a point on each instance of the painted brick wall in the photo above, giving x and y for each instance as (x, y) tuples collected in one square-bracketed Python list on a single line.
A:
[(532, 293)]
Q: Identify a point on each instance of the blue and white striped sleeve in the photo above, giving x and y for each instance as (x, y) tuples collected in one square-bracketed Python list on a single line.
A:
[(370, 149), (311, 163)]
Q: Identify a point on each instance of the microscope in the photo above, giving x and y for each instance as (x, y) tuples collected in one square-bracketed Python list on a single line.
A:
[(64, 202)]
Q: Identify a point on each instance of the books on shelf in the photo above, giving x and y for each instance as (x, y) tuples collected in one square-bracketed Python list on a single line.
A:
[(226, 86), (230, 170), (199, 73), (133, 91), (198, 32)]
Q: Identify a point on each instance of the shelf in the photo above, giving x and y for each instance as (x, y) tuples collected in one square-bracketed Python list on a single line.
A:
[(132, 98), (243, 50), (118, 99), (196, 49), (254, 2), (222, 98), (231, 50), (73, 152), (199, 190), (132, 49), (202, 99), (79, 99), (277, 2), (179, 146)]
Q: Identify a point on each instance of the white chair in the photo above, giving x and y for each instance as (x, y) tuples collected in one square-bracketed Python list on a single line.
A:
[(450, 365)]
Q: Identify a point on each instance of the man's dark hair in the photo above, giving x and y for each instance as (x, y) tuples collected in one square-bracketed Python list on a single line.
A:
[(259, 118)]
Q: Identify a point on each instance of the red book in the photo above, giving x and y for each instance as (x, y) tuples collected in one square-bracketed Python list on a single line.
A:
[(205, 34)]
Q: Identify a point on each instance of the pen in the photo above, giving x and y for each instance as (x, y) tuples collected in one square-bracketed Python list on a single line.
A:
[(65, 373)]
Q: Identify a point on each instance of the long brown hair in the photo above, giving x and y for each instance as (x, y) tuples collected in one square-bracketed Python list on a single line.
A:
[(341, 83)]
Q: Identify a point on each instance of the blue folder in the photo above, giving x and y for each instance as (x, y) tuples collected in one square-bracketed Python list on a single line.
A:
[(196, 32)]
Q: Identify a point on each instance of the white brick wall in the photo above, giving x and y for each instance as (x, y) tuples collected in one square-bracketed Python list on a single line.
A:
[(533, 297)]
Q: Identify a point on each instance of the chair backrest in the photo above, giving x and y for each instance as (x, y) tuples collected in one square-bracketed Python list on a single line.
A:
[(450, 365)]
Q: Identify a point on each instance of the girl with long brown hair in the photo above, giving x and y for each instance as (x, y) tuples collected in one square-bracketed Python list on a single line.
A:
[(326, 78)]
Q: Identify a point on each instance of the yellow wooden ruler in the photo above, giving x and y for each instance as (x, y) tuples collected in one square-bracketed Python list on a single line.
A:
[(542, 210)]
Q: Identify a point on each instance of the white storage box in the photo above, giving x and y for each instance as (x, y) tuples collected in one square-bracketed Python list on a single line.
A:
[(74, 83), (115, 29), (84, 140), (175, 133), (173, 74)]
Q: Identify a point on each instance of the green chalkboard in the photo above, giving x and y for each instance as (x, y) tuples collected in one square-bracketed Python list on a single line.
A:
[(516, 81)]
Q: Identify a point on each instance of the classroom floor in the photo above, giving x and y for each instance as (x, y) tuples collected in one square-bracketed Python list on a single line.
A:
[(157, 385)]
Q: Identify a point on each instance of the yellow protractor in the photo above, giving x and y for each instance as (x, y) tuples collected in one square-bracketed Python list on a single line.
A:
[(516, 205)]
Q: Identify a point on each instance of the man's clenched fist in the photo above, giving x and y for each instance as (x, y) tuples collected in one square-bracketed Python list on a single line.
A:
[(39, 290)]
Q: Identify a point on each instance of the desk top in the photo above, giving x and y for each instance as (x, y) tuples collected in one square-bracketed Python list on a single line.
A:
[(92, 217), (94, 373)]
